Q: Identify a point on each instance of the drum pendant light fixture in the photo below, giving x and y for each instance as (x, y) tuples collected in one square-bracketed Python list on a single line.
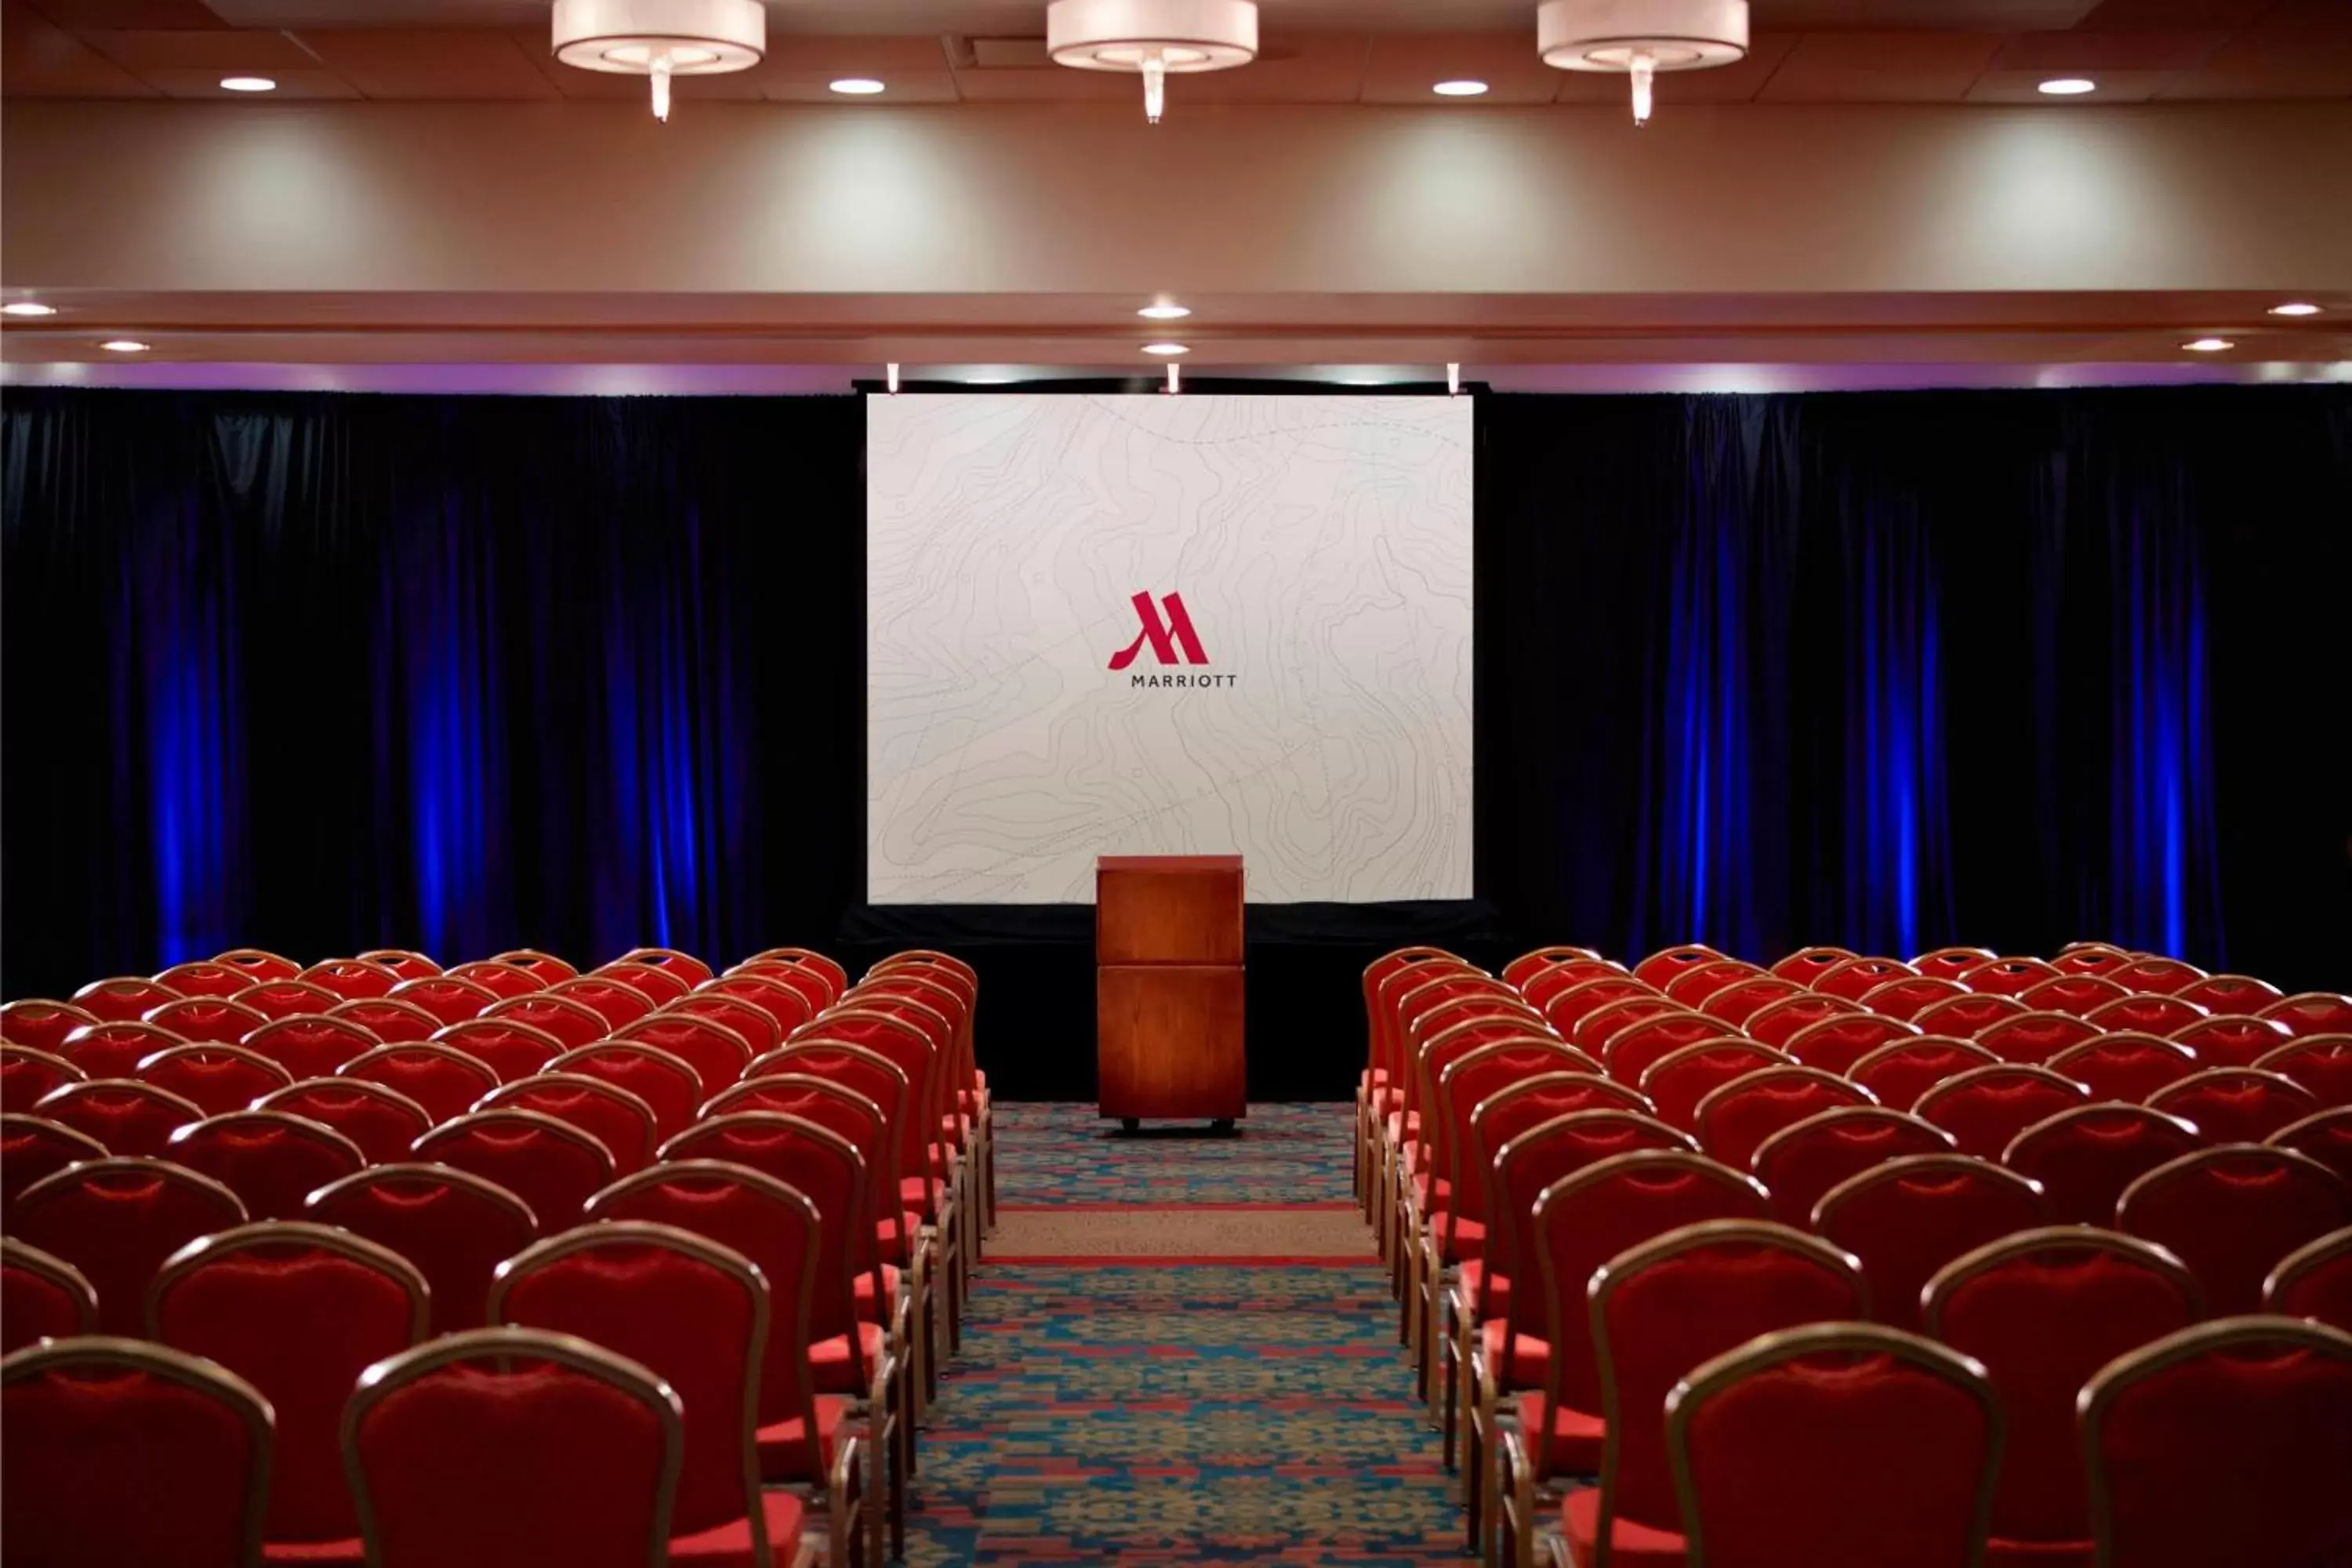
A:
[(1153, 38), (1641, 37), (661, 38)]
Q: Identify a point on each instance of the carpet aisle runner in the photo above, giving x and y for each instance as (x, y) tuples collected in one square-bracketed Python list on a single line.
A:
[(1179, 1349)]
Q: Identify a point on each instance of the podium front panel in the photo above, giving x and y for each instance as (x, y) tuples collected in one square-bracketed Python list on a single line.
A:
[(1169, 1041), (1168, 909)]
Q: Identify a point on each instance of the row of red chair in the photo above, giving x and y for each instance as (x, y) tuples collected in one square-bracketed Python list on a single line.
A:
[(807, 1118), (1475, 1063)]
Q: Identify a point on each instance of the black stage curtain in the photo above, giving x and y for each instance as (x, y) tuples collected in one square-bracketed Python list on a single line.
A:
[(322, 673)]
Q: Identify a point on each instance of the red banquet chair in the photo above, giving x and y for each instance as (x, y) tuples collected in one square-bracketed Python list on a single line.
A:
[(381, 1121), (123, 999), (572, 1022), (617, 1004), (624, 1124), (2075, 994), (2090, 958), (310, 1044), (2154, 974), (2326, 1136), (1661, 1308), (444, 1080), (1801, 1161), (668, 1083), (718, 1050), (545, 966), (1743, 999), (1906, 996), (1985, 1107), (115, 1049), (2228, 1442), (406, 964), (809, 958), (694, 1313), (455, 1226), (815, 987), (2315, 1281), (1736, 1118), (2232, 1040), (286, 997), (124, 1452), (1516, 970), (42, 1025), (1693, 986), (1909, 1218), (2032, 1037), (210, 1018), (2236, 1105), (299, 1311), (26, 1075), (1661, 968), (549, 1163), (32, 1147), (2232, 1213), (214, 1078), (127, 1116), (2041, 1310), (1951, 963), (352, 978), (1582, 1221), (510, 1049), (1836, 1043), (41, 1298), (117, 1220), (1563, 1009), (656, 985), (447, 998), (1902, 1070), (1776, 1023), (391, 1022), (1632, 1049), (198, 978), (502, 980), (785, 1008), (2009, 976), (1857, 977), (499, 1446), (1965, 1017), (2232, 993), (258, 964), (1835, 1443), (1592, 1033), (2124, 1066), (684, 966), (2084, 1158), (2305, 1012), (1806, 962), (2152, 1012), (1677, 1082), (270, 1160)]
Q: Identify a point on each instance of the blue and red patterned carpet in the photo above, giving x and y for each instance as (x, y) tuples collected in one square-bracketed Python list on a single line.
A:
[(1127, 1403)]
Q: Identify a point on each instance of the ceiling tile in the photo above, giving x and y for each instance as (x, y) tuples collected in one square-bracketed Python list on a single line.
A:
[(2025, 87), (1311, 68), (1735, 83), (78, 14), (1881, 68), (177, 81), (1400, 68), (2156, 49), (838, 56), (937, 85), (38, 59), (437, 63), (216, 51), (2286, 58), (1061, 84), (2182, 15)]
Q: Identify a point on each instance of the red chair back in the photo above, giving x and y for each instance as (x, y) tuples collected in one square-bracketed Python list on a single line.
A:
[(573, 1023), (1836, 1043), (258, 964), (383, 1122), (1693, 986), (512, 1050), (1743, 999), (2236, 1105), (41, 1298), (199, 978), (1383, 1052), (717, 1049), (690, 1311), (32, 1147), (444, 1080), (2315, 1281), (1734, 1118), (270, 1160), (299, 1311), (2155, 1014), (2090, 958), (1951, 963), (2230, 993), (214, 1018), (128, 1453), (1564, 1009), (816, 989), (1908, 996), (2305, 1012), (389, 1021), (2032, 1037), (446, 998), (1985, 1107), (2009, 976), (551, 1166), (1836, 1443), (501, 1446), (1663, 965), (214, 1078), (502, 980), (1857, 977), (2084, 1158), (1900, 1072), (352, 978), (1807, 962), (616, 1118), (286, 997), (668, 1083), (115, 1049), (1527, 963), (1909, 1218), (1527, 1163), (617, 1004), (406, 964), (38, 1021), (786, 1008), (1544, 985), (127, 1116), (2075, 994), (2124, 1066), (455, 1226), (545, 966), (2228, 1442), (2159, 976), (1669, 1304), (310, 1044), (684, 966), (1678, 1081), (1967, 1015), (1777, 1023), (2325, 1137), (907, 1049), (117, 1220), (657, 986), (2041, 1311), (1635, 1047), (2232, 1041), (121, 999), (2232, 1213), (1805, 1159), (27, 1075)]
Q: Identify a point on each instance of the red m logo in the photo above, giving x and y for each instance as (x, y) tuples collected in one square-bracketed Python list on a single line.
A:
[(1165, 639)]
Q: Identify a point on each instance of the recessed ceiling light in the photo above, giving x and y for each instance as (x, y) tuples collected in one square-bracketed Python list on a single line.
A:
[(1165, 311), (249, 84), (856, 86), (2069, 86), (2208, 345), (123, 347), (2293, 307), (1166, 348), (27, 308), (1464, 87)]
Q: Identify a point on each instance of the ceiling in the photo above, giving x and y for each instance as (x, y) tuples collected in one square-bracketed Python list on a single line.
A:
[(1320, 52)]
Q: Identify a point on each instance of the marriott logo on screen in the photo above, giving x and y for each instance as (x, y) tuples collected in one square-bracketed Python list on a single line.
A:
[(1166, 638)]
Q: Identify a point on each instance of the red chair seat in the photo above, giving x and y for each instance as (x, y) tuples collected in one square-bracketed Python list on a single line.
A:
[(830, 1363), (1469, 1236), (896, 1240), (1629, 1542), (1496, 1301), (784, 1446), (730, 1545), (867, 1307), (1528, 1354), (1575, 1435)]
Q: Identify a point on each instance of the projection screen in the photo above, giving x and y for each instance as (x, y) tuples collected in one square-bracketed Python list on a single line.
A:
[(1168, 625)]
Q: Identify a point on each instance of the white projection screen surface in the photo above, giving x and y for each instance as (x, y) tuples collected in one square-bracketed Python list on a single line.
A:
[(1152, 625)]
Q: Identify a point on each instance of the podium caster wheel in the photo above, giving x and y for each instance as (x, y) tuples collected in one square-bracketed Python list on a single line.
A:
[(1221, 1124), (1130, 1124)]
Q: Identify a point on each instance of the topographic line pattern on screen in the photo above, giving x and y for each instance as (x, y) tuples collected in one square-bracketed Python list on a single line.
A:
[(1152, 625)]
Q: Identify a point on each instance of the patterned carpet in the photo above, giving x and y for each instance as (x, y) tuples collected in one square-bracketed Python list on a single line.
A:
[(1126, 1407)]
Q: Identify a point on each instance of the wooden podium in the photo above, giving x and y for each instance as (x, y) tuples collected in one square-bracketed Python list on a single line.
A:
[(1167, 988)]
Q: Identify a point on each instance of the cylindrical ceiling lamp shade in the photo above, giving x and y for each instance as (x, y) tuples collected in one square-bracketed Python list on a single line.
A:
[(1152, 39), (661, 38), (1639, 38)]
